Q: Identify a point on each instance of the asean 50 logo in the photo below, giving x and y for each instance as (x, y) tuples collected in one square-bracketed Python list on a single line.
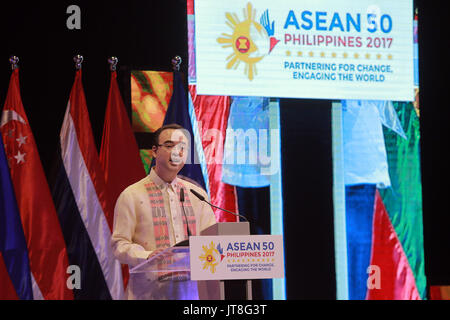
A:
[(211, 257), (250, 40)]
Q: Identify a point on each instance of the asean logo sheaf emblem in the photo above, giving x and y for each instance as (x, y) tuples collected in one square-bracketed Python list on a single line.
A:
[(212, 256), (250, 40)]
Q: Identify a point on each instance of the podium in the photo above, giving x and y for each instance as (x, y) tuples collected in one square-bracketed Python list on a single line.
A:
[(175, 262), (225, 289)]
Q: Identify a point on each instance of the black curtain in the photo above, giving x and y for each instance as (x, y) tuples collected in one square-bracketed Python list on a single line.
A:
[(144, 35), (308, 198)]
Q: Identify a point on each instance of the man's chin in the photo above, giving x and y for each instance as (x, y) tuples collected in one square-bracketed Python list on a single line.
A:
[(176, 165)]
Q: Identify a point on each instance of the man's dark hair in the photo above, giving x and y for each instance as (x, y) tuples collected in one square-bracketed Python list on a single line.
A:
[(157, 133)]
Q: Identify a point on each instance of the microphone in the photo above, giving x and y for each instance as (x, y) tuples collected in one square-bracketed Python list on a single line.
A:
[(185, 242), (202, 198), (184, 212), (182, 195), (198, 195)]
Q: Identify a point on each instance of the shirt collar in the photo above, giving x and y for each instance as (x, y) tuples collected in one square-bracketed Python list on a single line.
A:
[(160, 182)]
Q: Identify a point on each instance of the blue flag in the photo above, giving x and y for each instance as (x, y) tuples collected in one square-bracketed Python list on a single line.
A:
[(178, 112), (12, 238), (248, 134)]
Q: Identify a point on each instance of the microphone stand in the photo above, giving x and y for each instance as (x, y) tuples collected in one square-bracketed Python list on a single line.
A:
[(202, 198), (185, 242)]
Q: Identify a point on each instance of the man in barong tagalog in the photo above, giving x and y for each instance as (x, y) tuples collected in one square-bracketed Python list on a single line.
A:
[(149, 218)]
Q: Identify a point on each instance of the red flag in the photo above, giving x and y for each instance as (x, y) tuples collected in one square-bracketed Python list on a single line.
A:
[(45, 242), (119, 153), (212, 113), (396, 279)]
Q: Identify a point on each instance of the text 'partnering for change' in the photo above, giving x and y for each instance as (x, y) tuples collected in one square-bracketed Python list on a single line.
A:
[(338, 71)]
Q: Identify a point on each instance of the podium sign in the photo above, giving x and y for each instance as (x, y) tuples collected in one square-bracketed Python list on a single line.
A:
[(236, 257)]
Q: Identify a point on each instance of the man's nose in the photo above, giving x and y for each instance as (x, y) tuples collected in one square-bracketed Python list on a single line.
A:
[(178, 150)]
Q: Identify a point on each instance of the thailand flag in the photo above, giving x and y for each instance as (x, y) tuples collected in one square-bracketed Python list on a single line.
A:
[(80, 198)]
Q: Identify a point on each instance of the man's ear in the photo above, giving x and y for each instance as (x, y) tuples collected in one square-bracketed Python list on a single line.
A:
[(154, 148)]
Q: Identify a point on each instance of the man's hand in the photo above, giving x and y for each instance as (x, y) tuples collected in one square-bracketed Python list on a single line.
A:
[(155, 252)]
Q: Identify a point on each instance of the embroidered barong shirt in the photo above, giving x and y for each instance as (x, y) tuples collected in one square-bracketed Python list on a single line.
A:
[(148, 216)]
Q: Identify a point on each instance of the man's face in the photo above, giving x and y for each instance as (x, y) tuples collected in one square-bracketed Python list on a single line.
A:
[(172, 151)]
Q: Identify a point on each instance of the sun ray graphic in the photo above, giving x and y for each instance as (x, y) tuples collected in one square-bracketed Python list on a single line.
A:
[(209, 257), (243, 42)]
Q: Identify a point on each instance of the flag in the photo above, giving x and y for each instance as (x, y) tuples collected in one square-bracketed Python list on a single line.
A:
[(46, 247), (364, 151), (247, 141), (384, 228), (84, 212), (15, 278), (398, 215), (119, 153), (397, 280), (209, 116), (178, 112), (191, 41), (359, 204), (211, 113)]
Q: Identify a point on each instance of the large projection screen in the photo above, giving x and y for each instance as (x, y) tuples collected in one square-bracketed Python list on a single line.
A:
[(323, 49)]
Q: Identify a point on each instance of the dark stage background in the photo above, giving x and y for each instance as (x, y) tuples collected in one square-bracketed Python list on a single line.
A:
[(145, 35)]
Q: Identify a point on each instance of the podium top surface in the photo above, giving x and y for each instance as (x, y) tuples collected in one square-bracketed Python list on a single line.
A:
[(173, 259), (177, 258), (227, 229)]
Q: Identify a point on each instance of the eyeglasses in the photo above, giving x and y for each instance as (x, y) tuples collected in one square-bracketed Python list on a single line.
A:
[(170, 145)]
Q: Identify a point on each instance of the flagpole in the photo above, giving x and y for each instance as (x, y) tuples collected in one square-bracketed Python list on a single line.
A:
[(113, 63), (78, 59), (176, 62), (14, 60)]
